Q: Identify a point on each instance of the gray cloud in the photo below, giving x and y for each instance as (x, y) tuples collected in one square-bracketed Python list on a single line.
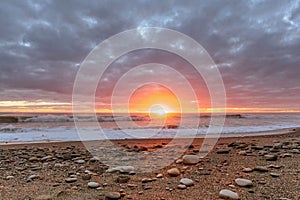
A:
[(255, 44)]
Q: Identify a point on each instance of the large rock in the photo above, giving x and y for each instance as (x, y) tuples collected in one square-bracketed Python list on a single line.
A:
[(190, 159), (228, 194), (243, 182)]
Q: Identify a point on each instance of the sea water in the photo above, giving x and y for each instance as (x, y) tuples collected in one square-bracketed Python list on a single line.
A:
[(37, 127)]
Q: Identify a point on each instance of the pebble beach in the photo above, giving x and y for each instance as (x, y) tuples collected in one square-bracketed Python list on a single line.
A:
[(258, 167)]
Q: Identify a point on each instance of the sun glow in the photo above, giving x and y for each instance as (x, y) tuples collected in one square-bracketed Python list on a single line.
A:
[(158, 111), (157, 101)]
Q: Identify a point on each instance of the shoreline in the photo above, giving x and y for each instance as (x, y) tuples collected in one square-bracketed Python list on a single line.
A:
[(277, 132)]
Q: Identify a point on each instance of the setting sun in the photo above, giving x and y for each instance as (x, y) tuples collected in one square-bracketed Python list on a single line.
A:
[(155, 100), (158, 111)]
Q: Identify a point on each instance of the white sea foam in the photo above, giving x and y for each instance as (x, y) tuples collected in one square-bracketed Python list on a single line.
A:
[(62, 128), (70, 134)]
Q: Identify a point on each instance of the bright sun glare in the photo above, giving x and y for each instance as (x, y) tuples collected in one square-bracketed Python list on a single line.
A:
[(155, 100), (158, 111)]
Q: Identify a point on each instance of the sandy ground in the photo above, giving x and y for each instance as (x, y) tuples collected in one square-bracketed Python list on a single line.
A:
[(41, 170)]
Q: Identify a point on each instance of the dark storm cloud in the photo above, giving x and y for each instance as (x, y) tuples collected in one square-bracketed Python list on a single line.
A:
[(255, 44)]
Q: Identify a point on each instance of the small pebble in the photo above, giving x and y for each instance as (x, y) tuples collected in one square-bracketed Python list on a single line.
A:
[(159, 176), (93, 184), (181, 186), (173, 172), (275, 175), (243, 182), (113, 195), (70, 180), (228, 194), (187, 181)]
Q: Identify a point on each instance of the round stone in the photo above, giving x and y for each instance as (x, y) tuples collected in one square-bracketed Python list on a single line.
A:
[(243, 182), (190, 159), (93, 184), (113, 195), (173, 172), (228, 194), (187, 181), (181, 186)]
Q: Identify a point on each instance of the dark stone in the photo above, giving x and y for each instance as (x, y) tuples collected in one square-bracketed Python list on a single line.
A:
[(223, 151)]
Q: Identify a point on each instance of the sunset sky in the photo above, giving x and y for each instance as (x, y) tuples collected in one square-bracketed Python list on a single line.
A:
[(255, 45)]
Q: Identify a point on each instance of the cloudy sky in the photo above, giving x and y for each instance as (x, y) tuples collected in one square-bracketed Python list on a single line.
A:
[(255, 44)]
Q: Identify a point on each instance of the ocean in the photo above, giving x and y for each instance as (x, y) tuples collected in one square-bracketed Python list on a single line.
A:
[(44, 127)]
